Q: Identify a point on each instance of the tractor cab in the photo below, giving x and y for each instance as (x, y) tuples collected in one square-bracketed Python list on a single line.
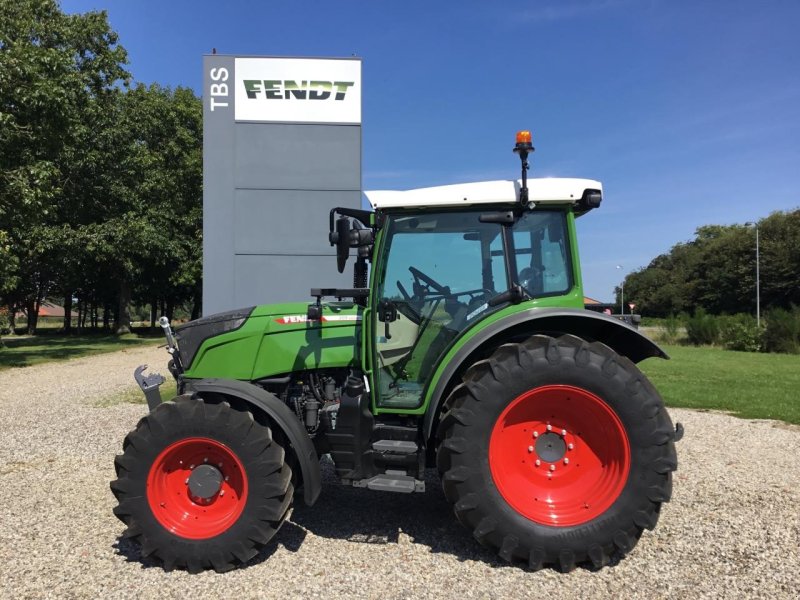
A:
[(444, 258)]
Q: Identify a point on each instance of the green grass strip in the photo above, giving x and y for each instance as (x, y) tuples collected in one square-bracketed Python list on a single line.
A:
[(34, 350), (747, 384)]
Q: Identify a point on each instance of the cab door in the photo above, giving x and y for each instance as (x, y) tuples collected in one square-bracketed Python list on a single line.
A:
[(435, 275)]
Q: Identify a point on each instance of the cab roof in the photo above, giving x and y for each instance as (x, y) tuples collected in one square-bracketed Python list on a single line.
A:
[(545, 190)]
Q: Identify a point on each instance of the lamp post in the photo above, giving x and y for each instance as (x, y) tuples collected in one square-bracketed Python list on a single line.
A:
[(622, 294), (758, 277)]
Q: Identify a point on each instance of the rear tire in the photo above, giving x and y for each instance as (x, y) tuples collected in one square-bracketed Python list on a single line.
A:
[(599, 431), (227, 512)]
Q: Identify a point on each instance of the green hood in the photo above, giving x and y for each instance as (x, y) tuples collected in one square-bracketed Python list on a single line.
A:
[(274, 339)]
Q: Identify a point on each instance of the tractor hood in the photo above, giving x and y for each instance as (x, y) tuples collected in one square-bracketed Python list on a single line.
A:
[(269, 339)]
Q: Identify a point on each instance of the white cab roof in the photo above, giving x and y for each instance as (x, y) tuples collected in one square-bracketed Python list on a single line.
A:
[(546, 190)]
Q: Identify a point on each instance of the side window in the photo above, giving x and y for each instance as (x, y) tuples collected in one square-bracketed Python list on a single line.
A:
[(540, 242), (554, 261)]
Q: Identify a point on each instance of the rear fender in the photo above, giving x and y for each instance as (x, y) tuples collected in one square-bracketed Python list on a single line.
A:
[(587, 325), (280, 415)]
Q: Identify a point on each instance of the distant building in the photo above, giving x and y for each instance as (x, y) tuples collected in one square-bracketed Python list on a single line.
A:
[(48, 310)]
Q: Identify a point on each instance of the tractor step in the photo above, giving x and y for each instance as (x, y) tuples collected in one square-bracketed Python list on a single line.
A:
[(395, 446), (391, 481)]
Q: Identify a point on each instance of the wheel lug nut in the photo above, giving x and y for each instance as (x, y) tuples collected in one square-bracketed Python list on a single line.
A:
[(538, 462), (563, 432), (205, 460), (222, 492), (191, 467), (570, 445), (226, 478), (566, 461), (549, 427), (535, 434), (530, 448), (552, 467), (220, 465)]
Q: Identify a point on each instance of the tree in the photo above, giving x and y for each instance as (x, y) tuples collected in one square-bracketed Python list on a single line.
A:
[(716, 271), (100, 183), (155, 218), (56, 71)]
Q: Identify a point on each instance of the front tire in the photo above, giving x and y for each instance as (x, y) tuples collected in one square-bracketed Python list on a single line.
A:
[(556, 452), (201, 485)]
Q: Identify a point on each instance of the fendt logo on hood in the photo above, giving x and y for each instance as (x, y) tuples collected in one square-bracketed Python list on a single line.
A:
[(288, 89)]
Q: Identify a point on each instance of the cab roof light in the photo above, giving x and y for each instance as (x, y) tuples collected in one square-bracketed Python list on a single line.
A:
[(523, 148), (523, 137)]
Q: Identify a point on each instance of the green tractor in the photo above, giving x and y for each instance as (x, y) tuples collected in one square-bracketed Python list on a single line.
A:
[(466, 348)]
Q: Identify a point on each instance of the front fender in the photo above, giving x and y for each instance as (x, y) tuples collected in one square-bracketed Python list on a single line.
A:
[(588, 325), (280, 414)]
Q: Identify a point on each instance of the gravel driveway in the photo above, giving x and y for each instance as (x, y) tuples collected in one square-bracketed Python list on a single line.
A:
[(732, 528)]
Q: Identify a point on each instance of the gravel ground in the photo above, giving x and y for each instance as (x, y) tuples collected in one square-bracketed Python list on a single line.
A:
[(732, 528)]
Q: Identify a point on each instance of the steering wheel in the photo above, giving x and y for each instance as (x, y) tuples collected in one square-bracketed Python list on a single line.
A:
[(427, 280)]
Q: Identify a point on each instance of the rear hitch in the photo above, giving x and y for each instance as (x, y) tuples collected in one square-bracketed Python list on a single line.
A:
[(678, 432), (149, 385)]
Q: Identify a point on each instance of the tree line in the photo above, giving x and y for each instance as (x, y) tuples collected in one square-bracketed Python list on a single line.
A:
[(716, 271), (100, 177)]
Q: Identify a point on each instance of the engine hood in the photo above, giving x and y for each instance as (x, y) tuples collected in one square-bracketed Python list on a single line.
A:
[(267, 339)]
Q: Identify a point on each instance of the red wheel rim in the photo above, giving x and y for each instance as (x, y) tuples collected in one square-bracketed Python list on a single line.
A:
[(170, 497), (582, 452)]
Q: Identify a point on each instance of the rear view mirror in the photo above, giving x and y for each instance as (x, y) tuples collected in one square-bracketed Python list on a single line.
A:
[(341, 239), (346, 236)]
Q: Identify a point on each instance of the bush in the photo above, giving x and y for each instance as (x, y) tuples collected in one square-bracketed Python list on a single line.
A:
[(740, 332), (672, 328), (702, 329), (669, 329), (782, 331)]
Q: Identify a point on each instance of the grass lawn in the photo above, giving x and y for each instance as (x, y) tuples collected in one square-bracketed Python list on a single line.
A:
[(33, 350), (747, 384)]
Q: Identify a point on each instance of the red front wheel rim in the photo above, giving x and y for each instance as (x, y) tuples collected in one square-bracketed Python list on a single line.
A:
[(559, 455), (170, 496)]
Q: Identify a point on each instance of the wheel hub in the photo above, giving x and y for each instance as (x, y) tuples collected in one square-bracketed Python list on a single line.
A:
[(551, 447), (559, 455), (197, 488), (205, 482)]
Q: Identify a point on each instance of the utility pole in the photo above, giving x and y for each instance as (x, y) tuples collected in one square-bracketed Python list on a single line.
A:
[(622, 294)]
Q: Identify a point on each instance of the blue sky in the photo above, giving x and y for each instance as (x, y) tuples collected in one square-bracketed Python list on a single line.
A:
[(687, 111)]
